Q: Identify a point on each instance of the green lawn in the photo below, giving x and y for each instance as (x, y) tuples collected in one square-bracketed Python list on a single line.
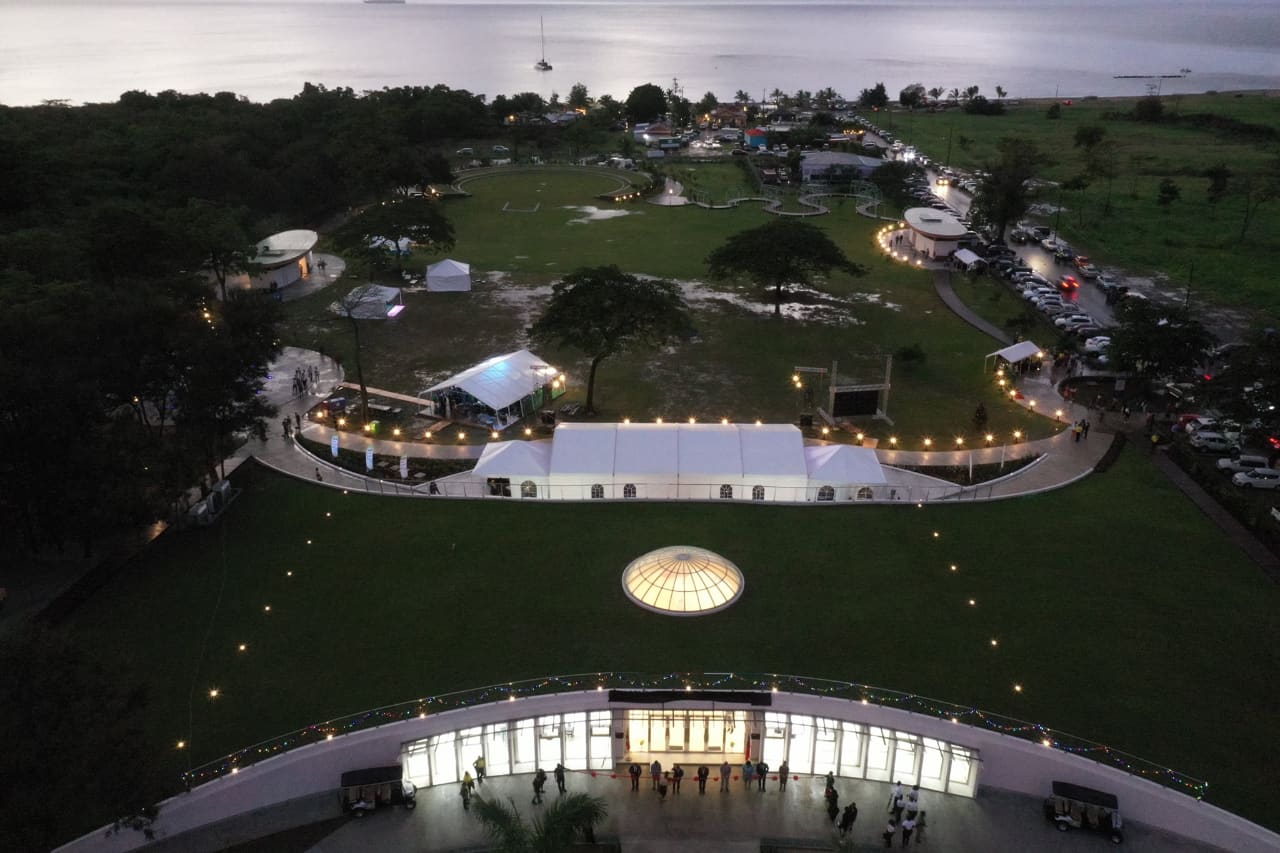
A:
[(739, 366), (1140, 236), (1160, 641)]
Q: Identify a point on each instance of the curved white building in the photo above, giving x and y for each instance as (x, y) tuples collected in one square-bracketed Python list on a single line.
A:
[(283, 259), (934, 233)]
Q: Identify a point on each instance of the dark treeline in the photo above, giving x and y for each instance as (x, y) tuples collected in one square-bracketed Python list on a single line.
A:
[(122, 377)]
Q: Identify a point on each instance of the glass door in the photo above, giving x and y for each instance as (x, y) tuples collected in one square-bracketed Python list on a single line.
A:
[(676, 731), (715, 732), (826, 740), (444, 760), (698, 731), (879, 753), (657, 733)]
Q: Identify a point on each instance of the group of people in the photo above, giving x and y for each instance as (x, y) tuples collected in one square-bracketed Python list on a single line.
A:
[(1081, 429), (304, 378), (663, 781), (914, 819)]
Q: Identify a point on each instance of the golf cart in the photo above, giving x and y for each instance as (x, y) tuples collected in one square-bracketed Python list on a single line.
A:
[(1074, 807), (366, 790)]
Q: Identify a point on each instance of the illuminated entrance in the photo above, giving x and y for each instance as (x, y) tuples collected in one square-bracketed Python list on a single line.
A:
[(688, 731)]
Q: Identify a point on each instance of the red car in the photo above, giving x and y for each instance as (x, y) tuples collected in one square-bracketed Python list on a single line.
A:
[(1069, 282)]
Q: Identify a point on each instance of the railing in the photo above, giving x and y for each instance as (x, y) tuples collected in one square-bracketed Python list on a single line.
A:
[(847, 690)]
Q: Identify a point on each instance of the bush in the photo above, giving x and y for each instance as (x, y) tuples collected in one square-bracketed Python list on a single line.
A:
[(909, 356), (1054, 111), (1150, 108)]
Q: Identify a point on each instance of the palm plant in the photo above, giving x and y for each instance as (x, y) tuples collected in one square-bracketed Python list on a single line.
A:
[(551, 832)]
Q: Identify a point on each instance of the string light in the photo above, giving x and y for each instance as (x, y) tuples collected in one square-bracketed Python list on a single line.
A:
[(182, 744), (213, 693), (243, 647), (266, 609), (954, 567), (1017, 688), (973, 603)]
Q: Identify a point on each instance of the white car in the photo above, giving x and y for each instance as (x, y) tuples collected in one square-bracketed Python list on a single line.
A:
[(1258, 478), (1244, 463), (1072, 320), (1214, 442)]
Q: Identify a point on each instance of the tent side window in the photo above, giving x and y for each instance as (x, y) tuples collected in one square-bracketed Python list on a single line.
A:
[(865, 494), (757, 493), (629, 490), (528, 489), (827, 493), (726, 493), (597, 492)]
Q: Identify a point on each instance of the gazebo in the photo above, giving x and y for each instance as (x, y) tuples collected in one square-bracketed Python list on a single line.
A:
[(934, 233), (1022, 353)]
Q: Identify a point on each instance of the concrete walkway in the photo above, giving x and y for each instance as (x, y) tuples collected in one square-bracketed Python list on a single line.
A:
[(942, 284)]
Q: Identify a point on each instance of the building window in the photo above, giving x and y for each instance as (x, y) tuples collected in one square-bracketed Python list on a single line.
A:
[(528, 489), (757, 493), (629, 490), (827, 493), (726, 493), (597, 492), (865, 494)]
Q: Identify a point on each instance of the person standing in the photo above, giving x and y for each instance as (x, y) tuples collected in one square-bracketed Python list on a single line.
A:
[(655, 770), (479, 765), (913, 801), (635, 776), (831, 780), (663, 784), (468, 784), (559, 773), (677, 775), (762, 775), (784, 770), (847, 818), (539, 779), (833, 806), (725, 770), (703, 773), (748, 771), (889, 832), (908, 826), (297, 420), (1084, 425), (896, 801)]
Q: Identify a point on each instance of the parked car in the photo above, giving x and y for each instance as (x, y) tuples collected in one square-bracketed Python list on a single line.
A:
[(1063, 253), (466, 152), (1107, 282), (1207, 441), (1078, 807), (1244, 462), (1070, 320), (501, 149), (1089, 272), (1257, 479)]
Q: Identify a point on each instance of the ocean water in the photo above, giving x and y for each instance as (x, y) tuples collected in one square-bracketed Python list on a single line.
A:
[(86, 51)]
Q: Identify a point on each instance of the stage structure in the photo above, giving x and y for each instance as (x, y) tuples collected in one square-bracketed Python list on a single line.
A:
[(846, 397)]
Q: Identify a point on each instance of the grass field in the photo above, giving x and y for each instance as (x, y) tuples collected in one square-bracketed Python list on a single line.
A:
[(1122, 611), (1140, 236), (741, 362)]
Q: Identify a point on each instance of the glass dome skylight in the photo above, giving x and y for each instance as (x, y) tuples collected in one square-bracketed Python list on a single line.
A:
[(682, 580)]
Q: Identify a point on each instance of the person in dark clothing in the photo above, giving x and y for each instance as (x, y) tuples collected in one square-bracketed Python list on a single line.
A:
[(677, 775), (784, 770), (833, 806), (762, 774), (539, 779), (847, 818), (703, 773), (559, 773), (890, 831), (635, 776)]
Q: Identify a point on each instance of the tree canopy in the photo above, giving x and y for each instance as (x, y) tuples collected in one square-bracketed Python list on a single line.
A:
[(1157, 340), (780, 253), (1003, 195), (603, 311), (554, 832), (646, 103)]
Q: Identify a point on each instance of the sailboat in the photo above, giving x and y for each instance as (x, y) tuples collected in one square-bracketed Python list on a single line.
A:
[(542, 64)]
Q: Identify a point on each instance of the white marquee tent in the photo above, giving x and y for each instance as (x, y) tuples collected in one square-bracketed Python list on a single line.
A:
[(448, 276), (498, 391), (1014, 353), (748, 462), (841, 472), (370, 302)]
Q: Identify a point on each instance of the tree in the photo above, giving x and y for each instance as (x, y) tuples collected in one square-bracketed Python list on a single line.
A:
[(874, 98), (912, 96), (1000, 93), (1219, 182), (82, 741), (935, 94), (707, 104), (1169, 193), (781, 253), (1257, 189), (351, 306), (1054, 112), (1002, 195), (826, 97), (1088, 136), (970, 93), (417, 219), (1153, 340), (1149, 109), (742, 97), (954, 96), (646, 103), (554, 832), (578, 97), (216, 232), (603, 311)]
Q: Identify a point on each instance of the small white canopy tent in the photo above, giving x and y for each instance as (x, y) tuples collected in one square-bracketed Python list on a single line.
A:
[(526, 465), (968, 259), (1014, 353), (448, 276), (843, 472), (508, 386)]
